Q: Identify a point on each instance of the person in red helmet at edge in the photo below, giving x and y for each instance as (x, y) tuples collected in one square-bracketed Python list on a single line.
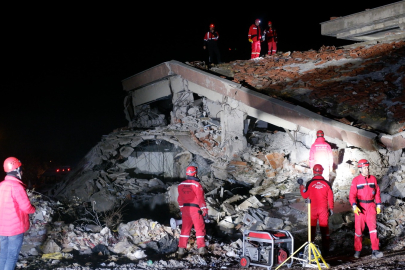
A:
[(319, 191), (365, 199), (271, 38), (193, 210), (321, 153), (14, 209), (255, 36), (211, 43)]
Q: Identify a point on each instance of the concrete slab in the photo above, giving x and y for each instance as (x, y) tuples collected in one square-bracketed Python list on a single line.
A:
[(253, 103), (371, 24)]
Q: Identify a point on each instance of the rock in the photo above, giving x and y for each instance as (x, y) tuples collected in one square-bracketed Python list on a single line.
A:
[(250, 202), (103, 201), (126, 151), (335, 221), (50, 247), (397, 190), (276, 160), (273, 223), (92, 228)]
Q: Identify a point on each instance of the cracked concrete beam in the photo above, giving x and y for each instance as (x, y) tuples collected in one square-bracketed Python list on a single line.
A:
[(394, 142)]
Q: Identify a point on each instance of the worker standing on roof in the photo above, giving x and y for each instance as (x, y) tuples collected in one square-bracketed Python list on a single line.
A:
[(193, 209), (211, 42), (319, 191), (255, 36), (271, 38), (366, 202), (321, 153)]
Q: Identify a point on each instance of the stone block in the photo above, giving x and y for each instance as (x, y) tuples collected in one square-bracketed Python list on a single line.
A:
[(252, 202), (273, 223), (276, 160)]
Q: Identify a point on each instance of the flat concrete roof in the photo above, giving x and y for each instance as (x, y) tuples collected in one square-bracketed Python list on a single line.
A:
[(286, 111), (373, 24)]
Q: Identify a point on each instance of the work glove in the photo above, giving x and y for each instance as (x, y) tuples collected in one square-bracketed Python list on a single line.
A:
[(378, 209), (250, 40), (205, 212), (356, 210), (330, 212), (300, 181)]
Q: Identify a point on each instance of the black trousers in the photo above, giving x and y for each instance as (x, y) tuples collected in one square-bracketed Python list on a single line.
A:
[(213, 52)]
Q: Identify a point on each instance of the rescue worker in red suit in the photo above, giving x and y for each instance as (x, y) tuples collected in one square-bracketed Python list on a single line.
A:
[(319, 191), (271, 37), (255, 36), (193, 208), (211, 42), (366, 202), (321, 153)]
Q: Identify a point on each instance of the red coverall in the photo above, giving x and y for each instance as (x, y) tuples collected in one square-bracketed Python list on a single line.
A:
[(320, 193), (321, 153), (192, 206), (255, 34), (271, 37), (365, 193)]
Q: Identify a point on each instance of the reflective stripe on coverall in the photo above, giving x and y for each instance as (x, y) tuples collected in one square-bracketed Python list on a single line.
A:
[(365, 193), (320, 193), (192, 206)]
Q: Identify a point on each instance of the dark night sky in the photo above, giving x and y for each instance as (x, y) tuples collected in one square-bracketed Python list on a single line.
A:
[(62, 64)]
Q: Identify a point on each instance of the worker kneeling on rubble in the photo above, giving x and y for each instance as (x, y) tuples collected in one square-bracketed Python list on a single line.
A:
[(14, 209), (319, 191), (364, 194), (193, 208)]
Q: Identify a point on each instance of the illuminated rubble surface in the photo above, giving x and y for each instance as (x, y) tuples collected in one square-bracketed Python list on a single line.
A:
[(69, 243), (137, 169), (362, 86)]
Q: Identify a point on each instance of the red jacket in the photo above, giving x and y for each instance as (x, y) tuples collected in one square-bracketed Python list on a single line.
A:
[(364, 188), (191, 195), (320, 193), (209, 36), (255, 33), (320, 153), (271, 35), (14, 207)]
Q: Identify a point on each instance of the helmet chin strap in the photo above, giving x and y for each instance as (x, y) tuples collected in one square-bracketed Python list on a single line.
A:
[(16, 173)]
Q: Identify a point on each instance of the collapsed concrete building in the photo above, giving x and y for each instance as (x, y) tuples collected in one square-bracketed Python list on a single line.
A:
[(248, 126)]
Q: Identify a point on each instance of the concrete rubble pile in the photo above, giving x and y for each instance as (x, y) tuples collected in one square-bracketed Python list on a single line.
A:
[(361, 86), (248, 168), (146, 117)]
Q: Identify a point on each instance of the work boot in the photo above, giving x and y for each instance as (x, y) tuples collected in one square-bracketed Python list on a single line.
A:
[(357, 254), (376, 254), (181, 253), (202, 251)]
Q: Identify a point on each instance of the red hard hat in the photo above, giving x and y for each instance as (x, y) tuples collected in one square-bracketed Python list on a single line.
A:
[(257, 20), (363, 163), (269, 22), (191, 171), (11, 164), (318, 169), (319, 133), (212, 25)]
